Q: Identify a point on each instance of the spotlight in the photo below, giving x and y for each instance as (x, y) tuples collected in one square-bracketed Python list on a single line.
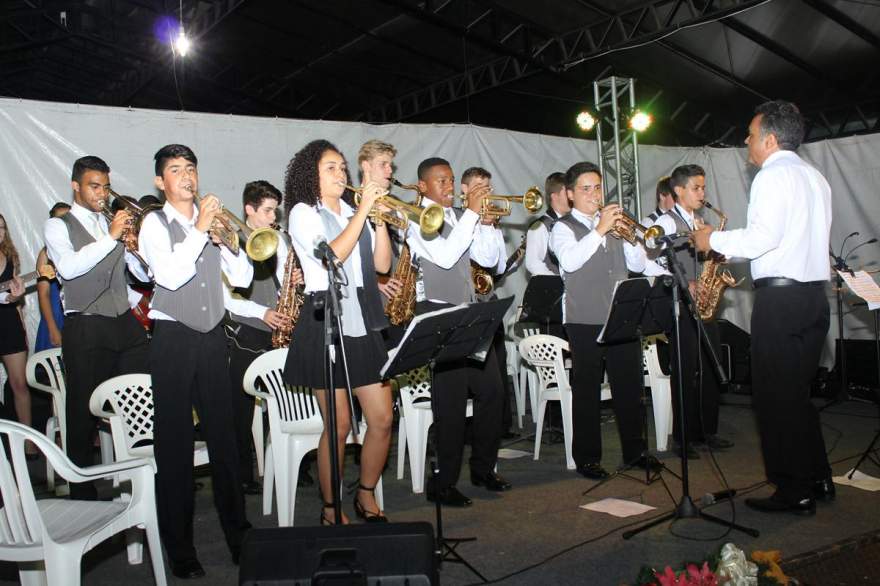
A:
[(181, 45), (585, 121), (640, 121)]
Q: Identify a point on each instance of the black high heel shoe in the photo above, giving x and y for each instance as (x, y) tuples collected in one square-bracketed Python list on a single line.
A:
[(360, 511), (324, 521)]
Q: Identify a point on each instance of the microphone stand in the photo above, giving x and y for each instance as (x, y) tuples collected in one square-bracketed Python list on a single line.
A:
[(686, 509), (333, 328)]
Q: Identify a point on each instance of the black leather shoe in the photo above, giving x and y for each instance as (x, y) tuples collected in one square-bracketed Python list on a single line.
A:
[(717, 442), (593, 471), (251, 487), (776, 504), (449, 497), (491, 481), (824, 490), (187, 569)]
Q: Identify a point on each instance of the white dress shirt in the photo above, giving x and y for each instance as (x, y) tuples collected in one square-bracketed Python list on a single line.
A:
[(467, 235), (573, 254), (537, 241), (246, 307), (70, 263), (306, 226), (173, 267), (668, 223), (788, 225)]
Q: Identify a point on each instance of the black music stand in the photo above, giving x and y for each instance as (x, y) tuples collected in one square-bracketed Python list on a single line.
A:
[(637, 305), (433, 338), (542, 301)]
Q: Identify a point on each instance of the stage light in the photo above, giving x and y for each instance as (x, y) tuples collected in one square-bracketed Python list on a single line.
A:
[(585, 121), (181, 45), (640, 121)]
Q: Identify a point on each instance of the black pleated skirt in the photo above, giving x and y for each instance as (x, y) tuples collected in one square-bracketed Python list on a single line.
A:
[(305, 360)]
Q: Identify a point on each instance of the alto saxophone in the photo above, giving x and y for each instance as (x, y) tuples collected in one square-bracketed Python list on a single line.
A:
[(713, 280), (483, 281), (290, 300), (402, 306)]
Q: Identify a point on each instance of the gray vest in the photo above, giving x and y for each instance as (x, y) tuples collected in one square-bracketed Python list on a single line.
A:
[(453, 285), (684, 251), (588, 289), (199, 303), (102, 290), (262, 290), (550, 260)]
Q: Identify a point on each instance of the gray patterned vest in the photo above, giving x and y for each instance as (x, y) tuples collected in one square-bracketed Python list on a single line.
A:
[(102, 290), (263, 290), (453, 285), (198, 304), (588, 289)]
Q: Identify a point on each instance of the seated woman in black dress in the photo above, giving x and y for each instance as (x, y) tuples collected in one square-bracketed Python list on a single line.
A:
[(313, 192)]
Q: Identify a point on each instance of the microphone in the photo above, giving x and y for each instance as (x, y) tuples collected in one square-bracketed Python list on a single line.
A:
[(842, 244), (710, 498), (323, 251), (858, 246)]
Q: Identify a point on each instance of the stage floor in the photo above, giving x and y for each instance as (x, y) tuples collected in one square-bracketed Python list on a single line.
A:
[(537, 534)]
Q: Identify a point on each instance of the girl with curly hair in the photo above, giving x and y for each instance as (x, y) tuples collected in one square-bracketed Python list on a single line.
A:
[(13, 340), (321, 209)]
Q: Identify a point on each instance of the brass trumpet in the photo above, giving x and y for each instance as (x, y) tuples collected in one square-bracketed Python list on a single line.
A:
[(429, 219), (532, 201), (629, 229), (260, 243), (133, 225)]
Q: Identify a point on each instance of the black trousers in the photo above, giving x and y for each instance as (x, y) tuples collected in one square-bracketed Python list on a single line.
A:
[(789, 325), (452, 383), (506, 387), (95, 348), (190, 370), (244, 346), (701, 387), (589, 361)]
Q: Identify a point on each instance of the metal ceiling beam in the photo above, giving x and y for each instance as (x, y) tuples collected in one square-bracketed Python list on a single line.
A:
[(845, 21)]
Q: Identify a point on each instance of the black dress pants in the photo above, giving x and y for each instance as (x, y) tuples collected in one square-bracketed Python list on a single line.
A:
[(95, 348), (506, 387), (789, 325), (190, 370), (701, 387), (623, 361), (244, 346), (452, 382)]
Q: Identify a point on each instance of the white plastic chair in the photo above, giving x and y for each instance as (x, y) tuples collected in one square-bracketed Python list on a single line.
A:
[(49, 361), (528, 378), (661, 396), (544, 354), (257, 432), (295, 428), (49, 537), (416, 418), (130, 414)]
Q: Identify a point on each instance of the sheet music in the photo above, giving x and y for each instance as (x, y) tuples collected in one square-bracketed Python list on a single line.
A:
[(863, 285), (412, 324), (601, 336)]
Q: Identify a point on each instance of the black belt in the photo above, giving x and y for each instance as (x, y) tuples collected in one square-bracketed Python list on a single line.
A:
[(785, 282)]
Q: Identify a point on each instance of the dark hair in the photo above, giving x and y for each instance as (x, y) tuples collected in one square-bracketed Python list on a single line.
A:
[(256, 191), (429, 164), (554, 182), (149, 199), (664, 188), (681, 175), (55, 209), (116, 206), (475, 173), (173, 151), (578, 169), (301, 180), (784, 120), (89, 163)]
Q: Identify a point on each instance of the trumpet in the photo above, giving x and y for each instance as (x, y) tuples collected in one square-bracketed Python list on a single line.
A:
[(429, 219), (629, 229), (260, 243), (133, 225), (532, 201)]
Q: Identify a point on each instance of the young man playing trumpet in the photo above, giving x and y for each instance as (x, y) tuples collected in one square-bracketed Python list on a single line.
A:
[(189, 356), (590, 262), (444, 280)]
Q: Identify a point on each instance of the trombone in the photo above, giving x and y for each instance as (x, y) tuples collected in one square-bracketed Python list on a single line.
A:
[(429, 219), (260, 243), (532, 201)]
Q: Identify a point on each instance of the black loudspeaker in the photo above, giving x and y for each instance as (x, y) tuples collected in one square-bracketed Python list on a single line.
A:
[(861, 367), (736, 352), (368, 554)]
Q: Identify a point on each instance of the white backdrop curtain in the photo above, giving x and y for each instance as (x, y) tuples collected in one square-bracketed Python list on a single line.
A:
[(41, 140)]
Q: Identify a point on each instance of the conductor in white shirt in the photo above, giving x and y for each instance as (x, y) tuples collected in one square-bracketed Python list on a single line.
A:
[(786, 238)]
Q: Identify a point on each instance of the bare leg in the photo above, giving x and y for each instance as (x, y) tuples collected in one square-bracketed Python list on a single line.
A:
[(343, 427), (375, 400), (21, 395)]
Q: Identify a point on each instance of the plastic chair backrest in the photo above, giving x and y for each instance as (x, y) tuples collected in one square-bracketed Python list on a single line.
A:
[(544, 353), (47, 361), (292, 405), (416, 384), (131, 402)]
